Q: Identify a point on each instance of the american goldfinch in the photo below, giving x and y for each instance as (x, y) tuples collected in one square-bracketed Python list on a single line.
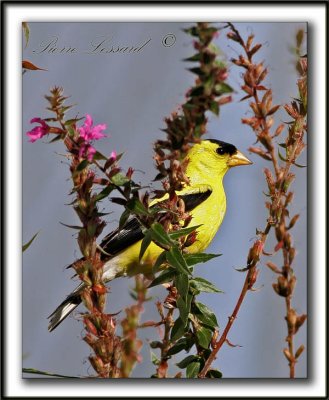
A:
[(205, 200)]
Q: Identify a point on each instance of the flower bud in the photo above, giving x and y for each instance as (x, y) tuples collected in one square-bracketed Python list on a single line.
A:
[(89, 339), (101, 301), (117, 352), (233, 36), (87, 300), (90, 327), (98, 288), (96, 363)]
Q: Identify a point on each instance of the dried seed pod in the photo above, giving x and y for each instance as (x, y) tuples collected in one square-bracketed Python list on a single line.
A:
[(299, 351), (300, 321), (291, 319), (273, 267), (292, 253), (293, 221), (287, 355), (281, 287)]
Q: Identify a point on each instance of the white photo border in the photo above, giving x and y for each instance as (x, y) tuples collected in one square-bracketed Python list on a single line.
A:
[(13, 15)]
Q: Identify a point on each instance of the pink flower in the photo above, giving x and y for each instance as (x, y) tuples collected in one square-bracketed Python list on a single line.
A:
[(113, 156), (39, 131), (87, 151), (89, 132)]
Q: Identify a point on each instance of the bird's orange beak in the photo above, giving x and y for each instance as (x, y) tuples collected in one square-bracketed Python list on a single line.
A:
[(238, 159)]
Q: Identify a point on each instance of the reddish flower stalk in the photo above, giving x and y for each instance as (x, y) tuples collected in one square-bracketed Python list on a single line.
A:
[(168, 322), (131, 345), (100, 327), (261, 123), (183, 129)]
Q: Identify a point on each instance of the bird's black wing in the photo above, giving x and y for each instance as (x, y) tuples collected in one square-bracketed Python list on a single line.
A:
[(192, 200), (131, 232), (120, 239)]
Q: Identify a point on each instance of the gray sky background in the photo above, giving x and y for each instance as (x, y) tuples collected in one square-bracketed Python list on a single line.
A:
[(132, 93)]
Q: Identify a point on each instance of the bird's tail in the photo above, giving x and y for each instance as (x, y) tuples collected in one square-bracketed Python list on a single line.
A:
[(111, 271), (65, 308)]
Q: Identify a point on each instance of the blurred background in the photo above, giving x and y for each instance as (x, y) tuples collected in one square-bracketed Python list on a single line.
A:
[(132, 93)]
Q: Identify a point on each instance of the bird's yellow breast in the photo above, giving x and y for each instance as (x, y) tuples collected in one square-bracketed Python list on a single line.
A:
[(209, 214)]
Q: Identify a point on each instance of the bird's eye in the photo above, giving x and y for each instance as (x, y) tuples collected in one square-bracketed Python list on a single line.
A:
[(220, 151)]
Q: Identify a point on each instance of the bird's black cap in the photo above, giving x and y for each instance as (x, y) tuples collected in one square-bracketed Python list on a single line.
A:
[(226, 147)]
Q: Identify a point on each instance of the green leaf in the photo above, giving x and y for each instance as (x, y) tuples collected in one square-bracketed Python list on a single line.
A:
[(183, 232), (136, 206), (119, 200), (202, 285), (214, 107), (56, 139), (35, 371), (123, 218), (145, 244), (182, 284), (91, 229), (223, 88), (197, 71), (72, 226), (204, 314), (178, 330), (72, 121), (99, 156), (66, 108), (159, 235), (156, 344), (159, 261), (104, 193), (299, 165), (204, 336), (193, 31), (194, 58), (164, 277), (192, 259), (120, 179), (182, 344), (154, 359), (281, 156), (176, 260), (28, 244), (184, 310), (70, 131), (214, 373), (82, 165), (197, 91), (186, 361), (193, 369)]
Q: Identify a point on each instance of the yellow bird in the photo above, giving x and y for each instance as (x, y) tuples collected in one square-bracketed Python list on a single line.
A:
[(204, 199)]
